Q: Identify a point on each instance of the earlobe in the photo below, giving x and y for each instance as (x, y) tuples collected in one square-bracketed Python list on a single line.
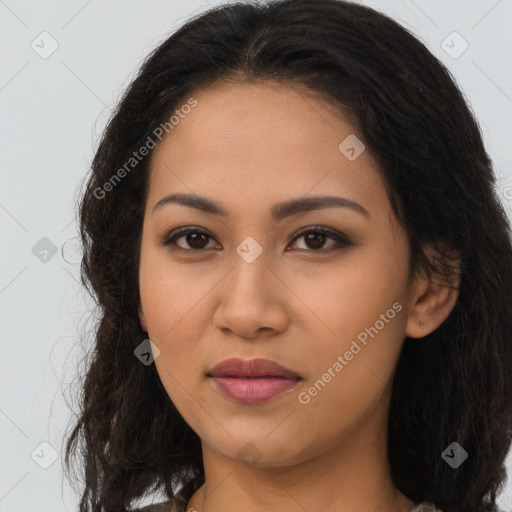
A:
[(142, 319), (431, 306)]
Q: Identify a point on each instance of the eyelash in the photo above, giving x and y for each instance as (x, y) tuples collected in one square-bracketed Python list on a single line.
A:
[(340, 239)]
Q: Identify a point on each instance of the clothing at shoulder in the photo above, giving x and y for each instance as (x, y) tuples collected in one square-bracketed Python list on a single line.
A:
[(166, 506), (428, 506), (425, 506)]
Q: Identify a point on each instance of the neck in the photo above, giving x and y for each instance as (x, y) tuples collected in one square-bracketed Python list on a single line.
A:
[(351, 476)]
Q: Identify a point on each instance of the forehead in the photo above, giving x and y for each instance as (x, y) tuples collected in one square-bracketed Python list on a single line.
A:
[(260, 141), (257, 115)]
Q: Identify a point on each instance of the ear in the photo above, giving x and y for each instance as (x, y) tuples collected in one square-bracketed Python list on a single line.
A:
[(142, 318), (432, 300)]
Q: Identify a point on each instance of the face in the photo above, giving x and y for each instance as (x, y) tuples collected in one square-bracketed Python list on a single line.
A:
[(331, 305)]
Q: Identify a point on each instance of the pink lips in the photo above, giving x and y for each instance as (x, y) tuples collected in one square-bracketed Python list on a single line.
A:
[(254, 381)]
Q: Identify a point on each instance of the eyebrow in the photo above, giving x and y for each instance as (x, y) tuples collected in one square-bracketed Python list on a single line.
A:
[(279, 210)]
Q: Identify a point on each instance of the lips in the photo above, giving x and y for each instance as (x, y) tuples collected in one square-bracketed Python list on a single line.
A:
[(252, 382), (254, 368)]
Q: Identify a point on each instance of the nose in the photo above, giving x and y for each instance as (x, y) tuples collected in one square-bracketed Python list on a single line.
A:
[(253, 301)]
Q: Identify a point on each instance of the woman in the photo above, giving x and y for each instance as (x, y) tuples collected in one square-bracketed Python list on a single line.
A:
[(303, 272)]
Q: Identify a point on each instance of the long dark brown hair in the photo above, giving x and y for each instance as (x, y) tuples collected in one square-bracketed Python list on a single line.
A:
[(454, 385)]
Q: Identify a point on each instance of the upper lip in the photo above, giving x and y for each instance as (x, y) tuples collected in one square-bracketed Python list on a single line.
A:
[(235, 367)]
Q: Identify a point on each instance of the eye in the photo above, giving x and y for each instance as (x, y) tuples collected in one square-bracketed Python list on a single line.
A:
[(315, 238), (196, 239)]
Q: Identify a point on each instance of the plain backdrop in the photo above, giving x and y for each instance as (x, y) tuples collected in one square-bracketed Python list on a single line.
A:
[(64, 66)]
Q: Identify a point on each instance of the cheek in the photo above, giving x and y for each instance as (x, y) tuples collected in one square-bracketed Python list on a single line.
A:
[(170, 308), (355, 313), (349, 373), (342, 299), (170, 295)]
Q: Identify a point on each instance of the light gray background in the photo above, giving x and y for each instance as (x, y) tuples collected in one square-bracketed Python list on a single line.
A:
[(52, 113)]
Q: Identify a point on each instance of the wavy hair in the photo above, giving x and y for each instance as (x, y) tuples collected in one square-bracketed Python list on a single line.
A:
[(453, 385)]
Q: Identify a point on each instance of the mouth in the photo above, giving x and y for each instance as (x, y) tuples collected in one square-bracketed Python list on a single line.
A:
[(254, 368), (254, 381), (254, 390)]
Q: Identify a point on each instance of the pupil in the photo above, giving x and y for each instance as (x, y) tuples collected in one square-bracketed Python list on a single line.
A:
[(311, 238), (193, 238)]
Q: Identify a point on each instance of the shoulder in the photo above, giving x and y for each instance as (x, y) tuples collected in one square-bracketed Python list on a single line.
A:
[(171, 505)]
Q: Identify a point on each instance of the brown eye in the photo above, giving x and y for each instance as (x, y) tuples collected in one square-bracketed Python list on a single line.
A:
[(194, 239), (315, 239)]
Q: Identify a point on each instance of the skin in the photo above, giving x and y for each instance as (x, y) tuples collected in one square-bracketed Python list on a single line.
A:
[(249, 146)]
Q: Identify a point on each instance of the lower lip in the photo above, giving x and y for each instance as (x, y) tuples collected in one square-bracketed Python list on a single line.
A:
[(255, 390)]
